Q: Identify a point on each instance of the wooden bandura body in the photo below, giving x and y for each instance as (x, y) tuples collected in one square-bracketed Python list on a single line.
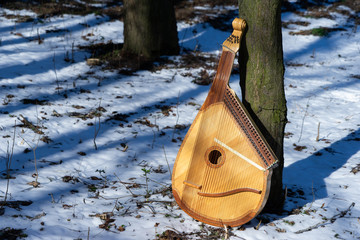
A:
[(223, 169)]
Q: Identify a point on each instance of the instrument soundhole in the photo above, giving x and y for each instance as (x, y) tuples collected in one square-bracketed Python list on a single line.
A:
[(215, 157)]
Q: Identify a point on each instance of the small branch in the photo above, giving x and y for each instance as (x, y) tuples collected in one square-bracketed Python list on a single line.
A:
[(157, 201), (332, 220), (97, 130), (9, 155), (156, 182), (318, 132), (134, 195), (313, 194), (30, 125), (115, 198), (177, 116), (226, 232), (167, 162), (154, 138), (303, 120), (40, 41), (34, 183), (73, 59), (56, 76), (124, 213)]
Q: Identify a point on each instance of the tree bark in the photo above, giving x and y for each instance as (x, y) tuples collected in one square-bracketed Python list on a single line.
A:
[(262, 81), (150, 28)]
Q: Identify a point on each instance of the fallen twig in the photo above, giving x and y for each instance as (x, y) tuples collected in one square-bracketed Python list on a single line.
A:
[(30, 125), (303, 119), (332, 220), (167, 162), (134, 195), (9, 155), (157, 201)]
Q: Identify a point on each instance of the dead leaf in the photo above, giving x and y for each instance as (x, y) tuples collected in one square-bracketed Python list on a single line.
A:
[(280, 230), (93, 62), (38, 216), (121, 228), (34, 184), (95, 178), (106, 225)]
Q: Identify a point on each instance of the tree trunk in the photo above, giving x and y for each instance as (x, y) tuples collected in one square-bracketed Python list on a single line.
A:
[(262, 81), (150, 28)]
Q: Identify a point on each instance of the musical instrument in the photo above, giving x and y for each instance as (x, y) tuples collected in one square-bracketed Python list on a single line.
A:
[(223, 169)]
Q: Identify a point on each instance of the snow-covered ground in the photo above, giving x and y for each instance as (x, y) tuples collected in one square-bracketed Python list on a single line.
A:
[(101, 140)]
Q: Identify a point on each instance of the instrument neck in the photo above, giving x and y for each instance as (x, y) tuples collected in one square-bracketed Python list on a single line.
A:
[(217, 90)]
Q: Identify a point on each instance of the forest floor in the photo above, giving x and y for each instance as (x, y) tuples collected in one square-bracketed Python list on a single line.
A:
[(88, 139)]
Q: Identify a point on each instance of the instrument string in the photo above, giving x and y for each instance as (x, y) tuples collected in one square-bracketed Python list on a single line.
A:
[(215, 178), (230, 180), (221, 177), (210, 158), (246, 182), (194, 163), (221, 184), (200, 199), (222, 134), (207, 180), (214, 185)]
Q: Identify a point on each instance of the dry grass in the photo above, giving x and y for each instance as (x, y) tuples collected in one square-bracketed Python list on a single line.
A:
[(45, 9), (320, 32), (299, 23), (324, 8), (111, 56)]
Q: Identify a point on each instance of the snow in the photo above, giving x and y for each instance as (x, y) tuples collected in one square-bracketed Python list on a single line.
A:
[(322, 96)]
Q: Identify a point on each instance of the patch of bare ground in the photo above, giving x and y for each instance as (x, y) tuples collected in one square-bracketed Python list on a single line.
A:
[(45, 9), (218, 18), (114, 12), (316, 12), (204, 78), (206, 232), (110, 56), (308, 5), (321, 31), (355, 169), (18, 18), (12, 233), (352, 4), (210, 3), (299, 23), (324, 8), (197, 60), (50, 8), (294, 64), (355, 76)]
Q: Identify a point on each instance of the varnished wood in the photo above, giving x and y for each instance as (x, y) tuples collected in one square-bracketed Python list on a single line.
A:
[(223, 169), (217, 89), (230, 46), (190, 184), (228, 193)]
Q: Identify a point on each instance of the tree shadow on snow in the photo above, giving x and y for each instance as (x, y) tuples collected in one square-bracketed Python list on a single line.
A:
[(310, 173)]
